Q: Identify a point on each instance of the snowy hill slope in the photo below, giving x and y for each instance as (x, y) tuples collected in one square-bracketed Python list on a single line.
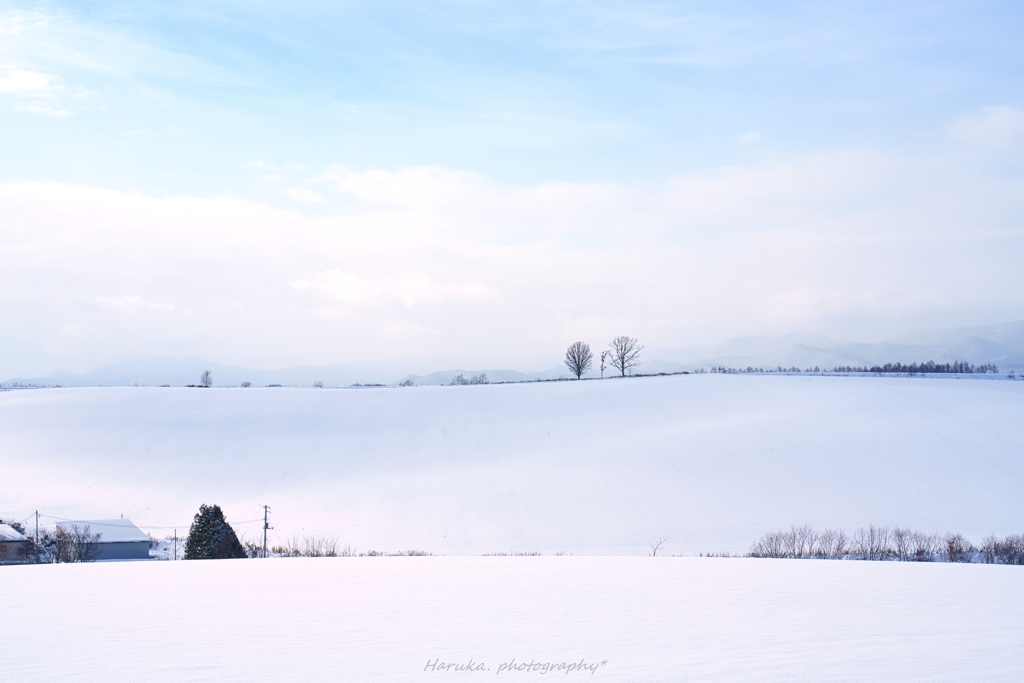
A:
[(600, 467), (635, 619)]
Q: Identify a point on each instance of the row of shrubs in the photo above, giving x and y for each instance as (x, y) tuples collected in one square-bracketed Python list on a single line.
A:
[(883, 543), (959, 367), (324, 546)]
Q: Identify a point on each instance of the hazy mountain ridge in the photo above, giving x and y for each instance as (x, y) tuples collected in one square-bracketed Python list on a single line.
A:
[(1001, 344)]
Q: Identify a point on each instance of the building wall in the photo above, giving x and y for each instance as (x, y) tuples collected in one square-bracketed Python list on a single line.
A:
[(14, 551), (134, 550)]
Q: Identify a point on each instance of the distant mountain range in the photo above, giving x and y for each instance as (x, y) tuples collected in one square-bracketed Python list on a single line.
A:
[(1002, 345)]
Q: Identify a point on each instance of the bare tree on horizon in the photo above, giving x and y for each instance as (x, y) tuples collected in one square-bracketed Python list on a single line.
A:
[(578, 358), (206, 379), (625, 353)]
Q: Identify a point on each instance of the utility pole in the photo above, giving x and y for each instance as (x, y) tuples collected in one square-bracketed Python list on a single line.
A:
[(266, 510)]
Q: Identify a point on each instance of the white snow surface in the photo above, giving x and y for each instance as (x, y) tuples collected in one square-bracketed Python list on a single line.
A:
[(638, 619), (709, 462), (9, 533)]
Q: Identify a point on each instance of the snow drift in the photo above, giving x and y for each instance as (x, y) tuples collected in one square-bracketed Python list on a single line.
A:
[(638, 619), (709, 462)]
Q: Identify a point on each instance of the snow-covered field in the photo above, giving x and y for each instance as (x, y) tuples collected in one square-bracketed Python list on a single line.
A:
[(638, 619), (599, 467)]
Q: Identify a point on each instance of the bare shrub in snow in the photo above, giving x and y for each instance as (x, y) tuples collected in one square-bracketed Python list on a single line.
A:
[(527, 553), (956, 548), (881, 543), (407, 553), (578, 358), (312, 545), (872, 543), (1009, 550), (322, 546), (924, 546), (46, 551), (803, 542), (655, 547), (769, 545), (76, 544), (902, 544), (459, 380), (832, 544)]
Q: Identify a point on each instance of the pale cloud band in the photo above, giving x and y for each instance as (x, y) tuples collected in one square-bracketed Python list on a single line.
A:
[(351, 291), (853, 244), (1000, 128), (132, 304)]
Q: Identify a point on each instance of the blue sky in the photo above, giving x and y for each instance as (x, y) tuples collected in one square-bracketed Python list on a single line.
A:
[(612, 133), (175, 97)]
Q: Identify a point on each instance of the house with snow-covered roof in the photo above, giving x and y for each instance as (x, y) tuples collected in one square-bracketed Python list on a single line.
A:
[(14, 546), (119, 539)]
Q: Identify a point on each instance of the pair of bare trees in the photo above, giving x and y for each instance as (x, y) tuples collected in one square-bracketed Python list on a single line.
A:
[(623, 353)]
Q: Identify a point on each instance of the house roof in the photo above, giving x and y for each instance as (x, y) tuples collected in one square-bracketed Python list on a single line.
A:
[(113, 530), (9, 533)]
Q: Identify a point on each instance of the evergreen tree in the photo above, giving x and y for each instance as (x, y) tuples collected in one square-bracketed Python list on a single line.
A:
[(211, 537), (225, 544)]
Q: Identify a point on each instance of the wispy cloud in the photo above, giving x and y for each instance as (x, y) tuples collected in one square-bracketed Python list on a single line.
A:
[(351, 290), (132, 304), (23, 81), (33, 91), (1000, 128), (304, 195), (42, 109)]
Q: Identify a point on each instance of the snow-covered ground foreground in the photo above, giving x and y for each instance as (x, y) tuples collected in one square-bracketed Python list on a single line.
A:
[(601, 467), (637, 619)]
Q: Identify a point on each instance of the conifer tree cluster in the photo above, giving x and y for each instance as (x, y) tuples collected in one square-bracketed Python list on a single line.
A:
[(211, 537)]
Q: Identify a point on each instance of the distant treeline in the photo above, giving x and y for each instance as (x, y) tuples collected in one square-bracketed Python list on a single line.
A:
[(959, 367), (883, 543)]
